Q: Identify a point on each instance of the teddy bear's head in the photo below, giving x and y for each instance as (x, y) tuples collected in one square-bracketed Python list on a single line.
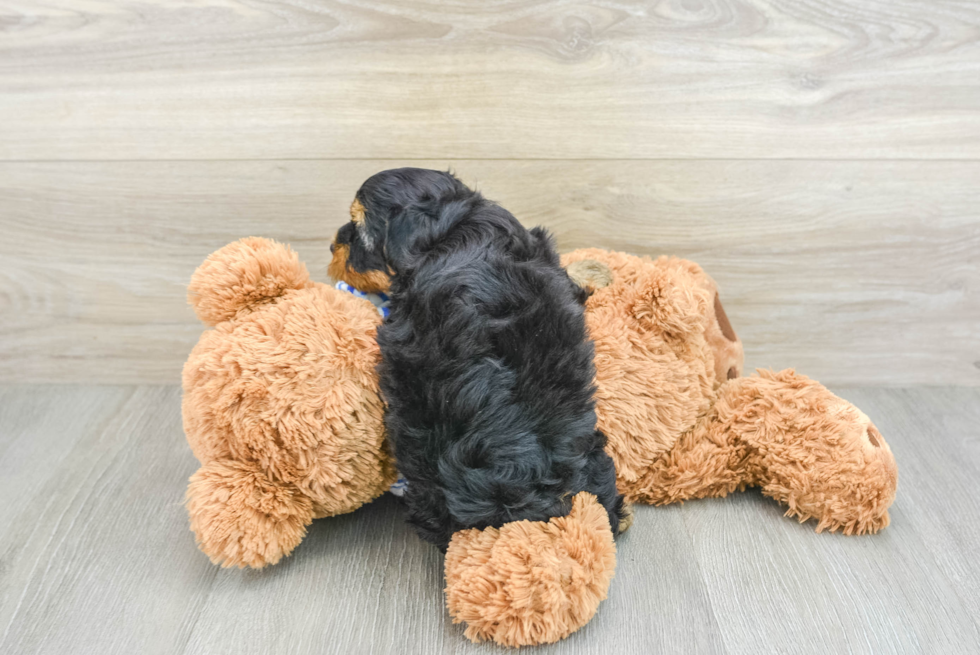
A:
[(280, 403), (663, 347)]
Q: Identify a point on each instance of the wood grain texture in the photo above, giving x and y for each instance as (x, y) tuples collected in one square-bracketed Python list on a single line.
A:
[(88, 552), (96, 555), (126, 79), (853, 272)]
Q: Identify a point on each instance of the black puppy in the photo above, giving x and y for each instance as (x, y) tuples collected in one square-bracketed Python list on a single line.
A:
[(487, 370)]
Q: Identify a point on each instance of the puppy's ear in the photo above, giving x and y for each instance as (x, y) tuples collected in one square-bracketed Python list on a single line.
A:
[(436, 202), (415, 229), (402, 230)]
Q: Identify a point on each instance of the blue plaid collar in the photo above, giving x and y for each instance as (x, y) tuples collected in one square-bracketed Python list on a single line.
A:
[(379, 300)]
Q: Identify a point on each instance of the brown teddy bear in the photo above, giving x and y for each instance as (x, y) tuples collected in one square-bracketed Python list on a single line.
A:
[(281, 407), (681, 421)]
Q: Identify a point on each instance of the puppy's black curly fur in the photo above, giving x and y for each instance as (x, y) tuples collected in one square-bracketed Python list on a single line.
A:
[(487, 369)]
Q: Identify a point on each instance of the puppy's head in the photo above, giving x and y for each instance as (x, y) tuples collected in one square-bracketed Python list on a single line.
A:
[(391, 212)]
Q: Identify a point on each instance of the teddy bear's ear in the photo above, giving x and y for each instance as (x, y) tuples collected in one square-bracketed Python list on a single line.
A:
[(590, 274), (243, 274)]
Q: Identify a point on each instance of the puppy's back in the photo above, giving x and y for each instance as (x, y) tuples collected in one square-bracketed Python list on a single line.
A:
[(488, 372)]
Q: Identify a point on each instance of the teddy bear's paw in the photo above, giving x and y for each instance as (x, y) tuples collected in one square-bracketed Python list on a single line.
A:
[(241, 518), (531, 582)]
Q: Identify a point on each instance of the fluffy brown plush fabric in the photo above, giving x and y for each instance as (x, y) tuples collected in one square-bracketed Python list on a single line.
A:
[(280, 404), (815, 453), (531, 582), (241, 518), (244, 275), (681, 422), (653, 364)]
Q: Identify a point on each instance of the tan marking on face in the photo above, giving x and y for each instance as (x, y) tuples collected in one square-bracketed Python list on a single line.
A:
[(357, 212), (722, 318), (369, 282)]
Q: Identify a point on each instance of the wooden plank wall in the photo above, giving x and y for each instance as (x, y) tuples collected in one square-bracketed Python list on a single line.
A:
[(821, 158)]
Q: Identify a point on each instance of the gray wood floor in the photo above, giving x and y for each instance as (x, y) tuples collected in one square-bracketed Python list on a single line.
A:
[(95, 554)]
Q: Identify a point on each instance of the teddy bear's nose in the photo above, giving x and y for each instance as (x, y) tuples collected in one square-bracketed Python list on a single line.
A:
[(331, 248)]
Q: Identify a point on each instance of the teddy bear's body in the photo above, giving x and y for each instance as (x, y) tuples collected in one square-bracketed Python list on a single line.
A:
[(681, 421), (281, 407)]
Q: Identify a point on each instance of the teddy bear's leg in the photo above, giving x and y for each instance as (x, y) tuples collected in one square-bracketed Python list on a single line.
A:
[(704, 462), (817, 454), (242, 518), (531, 582), (810, 450)]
